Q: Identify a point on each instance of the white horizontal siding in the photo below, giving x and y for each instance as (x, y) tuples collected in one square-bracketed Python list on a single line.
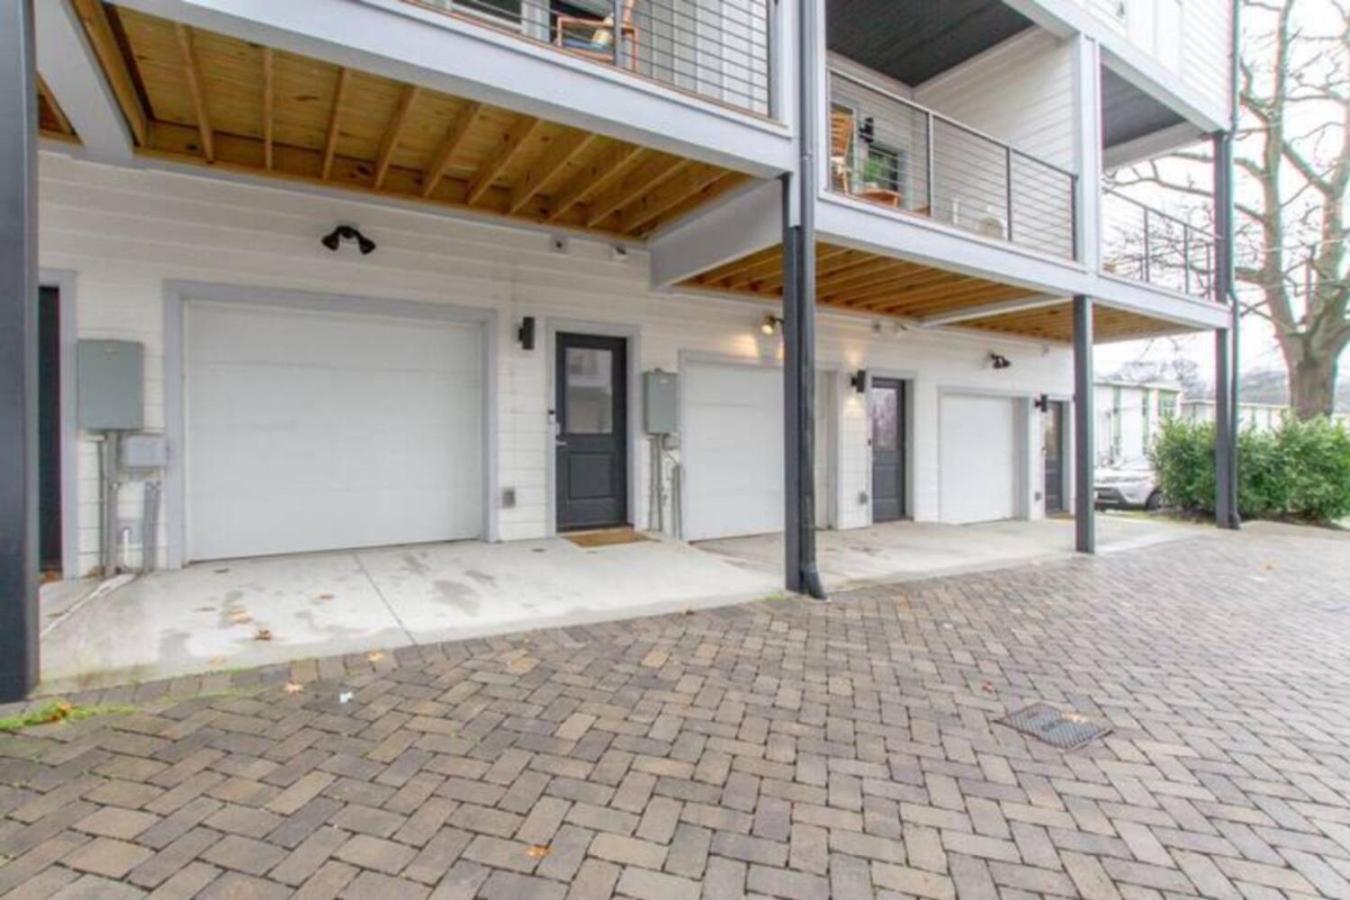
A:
[(125, 232), (1192, 38)]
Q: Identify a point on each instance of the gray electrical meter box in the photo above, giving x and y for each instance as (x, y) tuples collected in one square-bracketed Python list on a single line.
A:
[(660, 402), (110, 385)]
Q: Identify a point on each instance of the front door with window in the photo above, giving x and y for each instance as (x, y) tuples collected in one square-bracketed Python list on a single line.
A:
[(887, 404), (1052, 446), (592, 427)]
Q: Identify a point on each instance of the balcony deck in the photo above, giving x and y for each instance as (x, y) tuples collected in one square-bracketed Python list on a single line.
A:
[(866, 283), (201, 98)]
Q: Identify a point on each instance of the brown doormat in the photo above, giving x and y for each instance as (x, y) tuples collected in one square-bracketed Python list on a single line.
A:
[(607, 537)]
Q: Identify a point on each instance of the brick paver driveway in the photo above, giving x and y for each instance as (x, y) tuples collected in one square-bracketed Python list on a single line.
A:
[(782, 748)]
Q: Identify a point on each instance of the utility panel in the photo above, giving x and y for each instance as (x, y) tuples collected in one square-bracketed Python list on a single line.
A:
[(110, 385), (144, 451), (660, 402)]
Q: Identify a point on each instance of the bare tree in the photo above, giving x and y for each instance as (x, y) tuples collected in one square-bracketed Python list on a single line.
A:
[(1293, 167)]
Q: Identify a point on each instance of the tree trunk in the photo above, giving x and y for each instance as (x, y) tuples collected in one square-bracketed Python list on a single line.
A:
[(1312, 385)]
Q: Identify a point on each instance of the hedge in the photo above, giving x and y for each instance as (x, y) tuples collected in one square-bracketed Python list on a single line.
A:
[(1300, 471)]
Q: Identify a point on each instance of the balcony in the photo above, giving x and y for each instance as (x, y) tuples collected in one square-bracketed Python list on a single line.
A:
[(1153, 247), (718, 50), (888, 151)]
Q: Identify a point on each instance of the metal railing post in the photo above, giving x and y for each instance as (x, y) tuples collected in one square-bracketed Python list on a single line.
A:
[(617, 32), (931, 158), (1186, 256), (1148, 262), (1008, 165), (1073, 217)]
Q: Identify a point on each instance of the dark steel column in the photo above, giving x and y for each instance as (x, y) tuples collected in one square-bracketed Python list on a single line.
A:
[(1226, 514), (1084, 442), (799, 329), (18, 353)]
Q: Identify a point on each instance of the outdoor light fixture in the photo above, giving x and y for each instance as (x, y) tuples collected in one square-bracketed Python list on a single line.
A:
[(1043, 403), (333, 239), (771, 324), (859, 381), (867, 131), (525, 333), (999, 361)]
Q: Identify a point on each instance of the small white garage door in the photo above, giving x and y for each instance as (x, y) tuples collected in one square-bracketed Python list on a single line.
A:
[(978, 458), (311, 430), (732, 445)]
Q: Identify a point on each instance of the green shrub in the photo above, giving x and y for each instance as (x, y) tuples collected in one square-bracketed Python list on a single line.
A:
[(1302, 470)]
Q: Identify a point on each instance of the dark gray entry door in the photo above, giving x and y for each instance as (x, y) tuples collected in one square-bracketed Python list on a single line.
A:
[(887, 405), (1052, 445), (592, 446)]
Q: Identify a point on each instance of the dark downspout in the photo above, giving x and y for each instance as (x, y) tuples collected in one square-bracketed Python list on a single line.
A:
[(799, 329), (1226, 370), (18, 353)]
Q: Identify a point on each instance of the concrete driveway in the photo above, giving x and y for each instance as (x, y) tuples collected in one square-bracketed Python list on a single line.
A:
[(253, 612), (785, 749)]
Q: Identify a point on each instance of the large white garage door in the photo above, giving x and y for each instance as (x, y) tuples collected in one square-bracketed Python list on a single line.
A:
[(979, 458), (313, 430), (732, 444)]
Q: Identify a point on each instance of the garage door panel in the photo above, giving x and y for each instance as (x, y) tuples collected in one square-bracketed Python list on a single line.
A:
[(309, 430), (733, 450), (979, 458)]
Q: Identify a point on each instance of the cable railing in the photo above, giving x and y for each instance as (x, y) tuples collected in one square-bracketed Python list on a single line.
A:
[(716, 49), (1144, 244), (889, 151)]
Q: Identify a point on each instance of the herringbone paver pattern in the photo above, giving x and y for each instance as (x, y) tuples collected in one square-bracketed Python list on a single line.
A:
[(783, 749)]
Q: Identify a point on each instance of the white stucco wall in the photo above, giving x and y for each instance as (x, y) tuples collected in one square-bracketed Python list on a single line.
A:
[(124, 232)]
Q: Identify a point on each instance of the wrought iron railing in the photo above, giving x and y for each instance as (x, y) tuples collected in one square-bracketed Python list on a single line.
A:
[(717, 49), (1147, 245), (889, 151)]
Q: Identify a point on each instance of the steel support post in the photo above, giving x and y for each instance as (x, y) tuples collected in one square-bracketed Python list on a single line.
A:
[(1084, 444), (18, 352)]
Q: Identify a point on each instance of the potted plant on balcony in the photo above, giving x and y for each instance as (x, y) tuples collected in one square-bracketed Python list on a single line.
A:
[(877, 182)]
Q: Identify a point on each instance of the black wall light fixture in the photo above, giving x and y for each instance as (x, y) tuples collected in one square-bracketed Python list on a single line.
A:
[(1043, 403), (999, 361), (333, 239), (525, 333), (771, 324), (859, 381)]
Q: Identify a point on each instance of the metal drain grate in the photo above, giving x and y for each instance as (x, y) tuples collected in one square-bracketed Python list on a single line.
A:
[(1067, 731)]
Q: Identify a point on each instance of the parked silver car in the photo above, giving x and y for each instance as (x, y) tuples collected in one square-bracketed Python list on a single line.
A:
[(1128, 485)]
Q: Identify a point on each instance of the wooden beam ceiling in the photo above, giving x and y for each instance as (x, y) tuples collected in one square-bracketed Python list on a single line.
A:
[(195, 96), (868, 283)]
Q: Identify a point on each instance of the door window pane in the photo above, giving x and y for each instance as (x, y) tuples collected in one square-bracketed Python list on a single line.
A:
[(590, 391), (885, 419)]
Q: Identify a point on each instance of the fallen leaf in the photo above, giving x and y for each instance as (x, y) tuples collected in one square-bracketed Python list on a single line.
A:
[(539, 851), (374, 656), (239, 617), (293, 688), (61, 710), (324, 597), (262, 634), (220, 571), (216, 662), (987, 687)]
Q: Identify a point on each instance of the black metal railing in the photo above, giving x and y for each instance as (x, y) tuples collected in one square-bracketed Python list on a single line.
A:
[(890, 151), (1145, 244), (717, 49)]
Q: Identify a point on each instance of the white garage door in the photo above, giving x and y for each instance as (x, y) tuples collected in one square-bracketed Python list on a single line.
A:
[(732, 444), (311, 430), (979, 458)]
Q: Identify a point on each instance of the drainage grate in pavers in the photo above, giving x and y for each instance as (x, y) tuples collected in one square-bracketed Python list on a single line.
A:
[(1067, 731)]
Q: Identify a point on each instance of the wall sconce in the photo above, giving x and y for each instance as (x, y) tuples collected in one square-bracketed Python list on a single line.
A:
[(999, 361), (867, 131), (771, 324), (859, 381), (525, 333), (1042, 403), (333, 239)]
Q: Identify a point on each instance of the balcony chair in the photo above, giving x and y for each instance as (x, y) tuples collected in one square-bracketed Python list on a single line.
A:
[(594, 38), (841, 147)]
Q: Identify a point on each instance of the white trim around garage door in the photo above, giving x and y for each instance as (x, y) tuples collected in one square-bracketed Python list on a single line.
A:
[(178, 293)]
